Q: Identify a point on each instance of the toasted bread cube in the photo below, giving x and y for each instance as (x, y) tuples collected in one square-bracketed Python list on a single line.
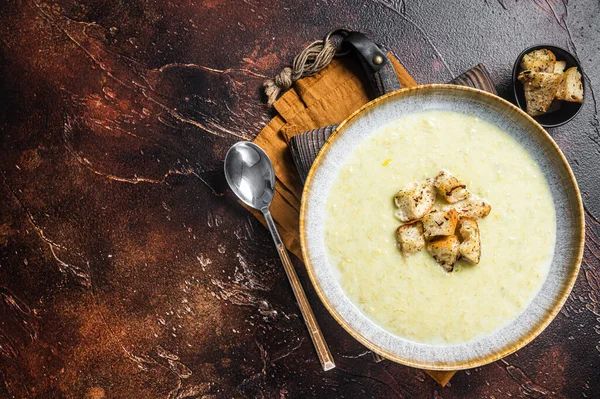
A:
[(560, 66), (470, 247), (474, 207), (410, 237), (542, 60), (445, 251), (570, 87), (440, 223), (450, 187), (540, 89), (415, 201)]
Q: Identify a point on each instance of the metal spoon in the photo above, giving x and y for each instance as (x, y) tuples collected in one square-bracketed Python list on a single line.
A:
[(249, 173)]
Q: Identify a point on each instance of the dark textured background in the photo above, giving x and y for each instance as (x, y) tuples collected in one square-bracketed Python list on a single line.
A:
[(125, 269)]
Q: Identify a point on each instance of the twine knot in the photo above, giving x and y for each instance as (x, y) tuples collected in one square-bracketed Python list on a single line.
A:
[(314, 58), (279, 83)]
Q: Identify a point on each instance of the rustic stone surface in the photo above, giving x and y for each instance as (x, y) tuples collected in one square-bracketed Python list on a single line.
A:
[(126, 270)]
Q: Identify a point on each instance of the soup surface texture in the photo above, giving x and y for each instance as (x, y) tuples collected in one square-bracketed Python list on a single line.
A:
[(412, 296)]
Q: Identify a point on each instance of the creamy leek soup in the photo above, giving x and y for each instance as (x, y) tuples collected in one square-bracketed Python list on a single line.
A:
[(412, 296)]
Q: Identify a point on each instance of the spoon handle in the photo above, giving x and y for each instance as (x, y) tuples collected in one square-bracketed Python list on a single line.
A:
[(309, 318)]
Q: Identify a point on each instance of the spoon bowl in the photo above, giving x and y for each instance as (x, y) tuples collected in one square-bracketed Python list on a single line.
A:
[(249, 173)]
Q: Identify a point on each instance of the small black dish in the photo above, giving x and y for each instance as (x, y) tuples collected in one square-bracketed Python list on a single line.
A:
[(563, 111)]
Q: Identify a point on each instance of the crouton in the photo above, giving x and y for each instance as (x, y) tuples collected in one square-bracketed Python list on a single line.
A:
[(470, 246), (415, 201), (450, 187), (475, 208), (540, 89), (542, 60), (570, 87), (445, 251), (410, 237), (440, 223), (560, 66)]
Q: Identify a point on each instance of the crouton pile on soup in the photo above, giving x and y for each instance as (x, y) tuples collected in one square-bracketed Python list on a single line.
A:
[(451, 231)]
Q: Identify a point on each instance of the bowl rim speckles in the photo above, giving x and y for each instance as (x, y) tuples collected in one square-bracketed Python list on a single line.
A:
[(569, 110), (568, 250)]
